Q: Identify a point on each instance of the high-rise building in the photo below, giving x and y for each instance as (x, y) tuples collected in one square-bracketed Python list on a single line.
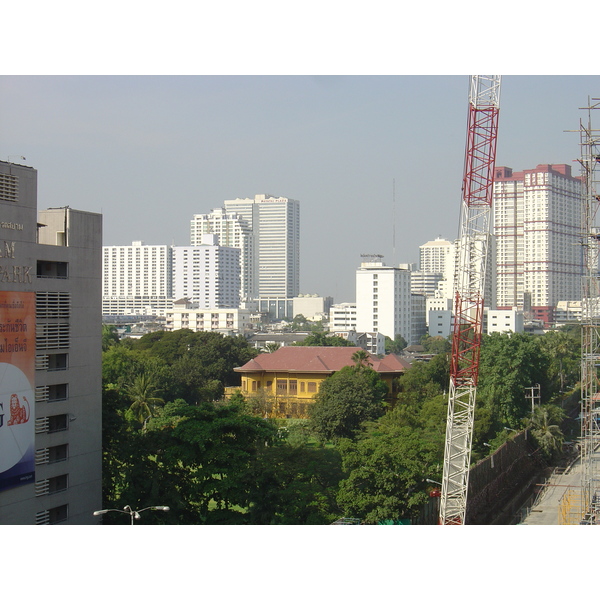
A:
[(137, 279), (383, 300), (537, 225), (235, 231), (275, 223), (266, 229), (50, 358), (207, 274)]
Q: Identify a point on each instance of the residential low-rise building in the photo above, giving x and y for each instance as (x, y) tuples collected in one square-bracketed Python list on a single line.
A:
[(228, 321)]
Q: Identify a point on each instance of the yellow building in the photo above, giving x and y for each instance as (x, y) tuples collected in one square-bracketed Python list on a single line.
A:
[(282, 384)]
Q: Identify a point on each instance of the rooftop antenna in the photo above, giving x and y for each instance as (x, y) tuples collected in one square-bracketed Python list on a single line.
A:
[(394, 222)]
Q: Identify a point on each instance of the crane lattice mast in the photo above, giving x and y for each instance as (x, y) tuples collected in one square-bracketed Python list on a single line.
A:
[(590, 331), (469, 284)]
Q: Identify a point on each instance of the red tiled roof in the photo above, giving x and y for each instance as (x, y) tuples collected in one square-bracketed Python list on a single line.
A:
[(315, 359)]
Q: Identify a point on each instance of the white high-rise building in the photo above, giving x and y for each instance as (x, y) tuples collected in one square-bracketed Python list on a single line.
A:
[(137, 279), (383, 300), (537, 224), (235, 231), (437, 256), (207, 274), (275, 223)]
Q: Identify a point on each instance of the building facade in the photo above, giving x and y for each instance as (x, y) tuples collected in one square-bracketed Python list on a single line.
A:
[(208, 273), (538, 216), (383, 300), (137, 279), (284, 383), (233, 231), (275, 223), (50, 357)]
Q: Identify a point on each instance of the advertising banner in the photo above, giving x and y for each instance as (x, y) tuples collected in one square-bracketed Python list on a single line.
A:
[(17, 385)]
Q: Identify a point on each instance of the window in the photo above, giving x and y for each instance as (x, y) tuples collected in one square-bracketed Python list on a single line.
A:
[(52, 269), (312, 387), (282, 386)]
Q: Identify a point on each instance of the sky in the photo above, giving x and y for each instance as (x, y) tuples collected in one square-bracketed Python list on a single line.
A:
[(375, 161)]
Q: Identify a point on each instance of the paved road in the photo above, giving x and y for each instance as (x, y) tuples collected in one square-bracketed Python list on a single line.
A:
[(546, 510)]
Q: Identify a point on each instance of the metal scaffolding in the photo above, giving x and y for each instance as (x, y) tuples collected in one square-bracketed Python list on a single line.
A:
[(590, 332)]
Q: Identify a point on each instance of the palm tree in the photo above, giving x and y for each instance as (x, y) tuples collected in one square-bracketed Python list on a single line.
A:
[(545, 429), (271, 347), (361, 359), (142, 393)]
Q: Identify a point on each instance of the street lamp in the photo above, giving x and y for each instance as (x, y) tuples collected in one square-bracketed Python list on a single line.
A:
[(127, 510), (432, 481)]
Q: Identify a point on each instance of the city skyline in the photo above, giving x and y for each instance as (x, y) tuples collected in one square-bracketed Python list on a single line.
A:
[(375, 161)]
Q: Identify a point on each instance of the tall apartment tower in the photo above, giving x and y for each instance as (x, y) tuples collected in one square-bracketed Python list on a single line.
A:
[(275, 224), (538, 215), (234, 231), (437, 256), (50, 357), (383, 300), (137, 279), (207, 274)]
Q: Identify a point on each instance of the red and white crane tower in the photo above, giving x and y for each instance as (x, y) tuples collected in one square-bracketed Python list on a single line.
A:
[(469, 285)]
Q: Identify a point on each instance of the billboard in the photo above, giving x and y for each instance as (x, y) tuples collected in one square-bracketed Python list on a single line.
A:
[(17, 385)]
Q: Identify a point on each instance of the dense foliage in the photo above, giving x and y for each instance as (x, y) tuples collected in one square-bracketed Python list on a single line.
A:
[(170, 438)]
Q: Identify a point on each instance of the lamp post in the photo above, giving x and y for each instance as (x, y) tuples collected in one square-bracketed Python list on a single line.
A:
[(127, 510)]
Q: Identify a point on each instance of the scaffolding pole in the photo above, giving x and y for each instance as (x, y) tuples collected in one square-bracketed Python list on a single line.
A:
[(590, 331)]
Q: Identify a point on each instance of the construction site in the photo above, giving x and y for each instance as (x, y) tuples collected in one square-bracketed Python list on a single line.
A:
[(476, 494)]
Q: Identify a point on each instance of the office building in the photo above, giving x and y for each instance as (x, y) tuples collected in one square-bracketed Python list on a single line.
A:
[(275, 223), (383, 300), (50, 358), (538, 215)]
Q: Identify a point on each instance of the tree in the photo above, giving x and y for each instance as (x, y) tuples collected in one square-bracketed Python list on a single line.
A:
[(295, 485), (110, 337), (436, 344), (142, 394), (345, 400), (361, 360), (319, 338), (564, 350), (509, 364), (387, 467), (396, 345), (544, 425)]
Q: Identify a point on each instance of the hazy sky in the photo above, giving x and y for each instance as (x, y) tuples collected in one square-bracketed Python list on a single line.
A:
[(372, 159)]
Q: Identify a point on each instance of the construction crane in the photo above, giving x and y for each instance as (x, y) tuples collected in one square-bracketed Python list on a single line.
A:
[(469, 286)]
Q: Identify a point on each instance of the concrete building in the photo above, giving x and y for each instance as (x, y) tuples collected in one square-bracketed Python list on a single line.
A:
[(313, 307), (275, 223), (504, 321), (286, 381), (137, 279), (538, 215), (342, 317), (188, 315), (425, 284), (50, 358), (207, 273), (234, 231), (438, 256), (383, 300)]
